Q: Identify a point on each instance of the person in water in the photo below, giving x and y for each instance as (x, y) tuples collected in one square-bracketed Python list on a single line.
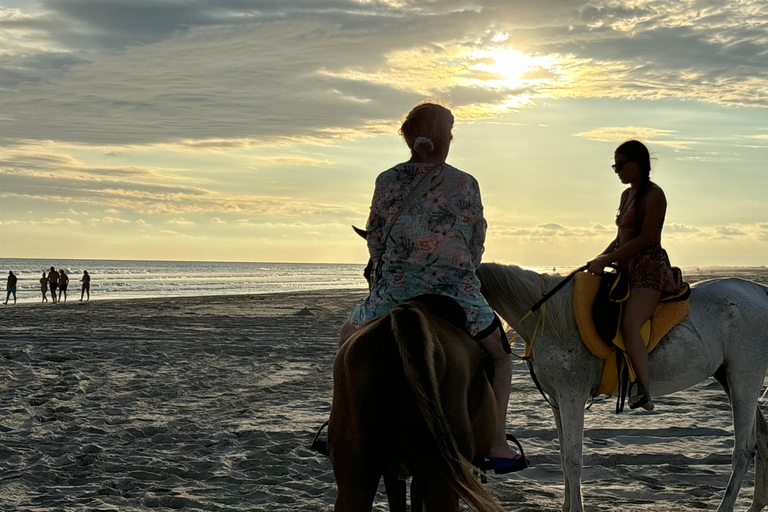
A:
[(10, 287), (63, 283), (44, 287), (53, 283), (434, 245), (86, 288), (637, 250)]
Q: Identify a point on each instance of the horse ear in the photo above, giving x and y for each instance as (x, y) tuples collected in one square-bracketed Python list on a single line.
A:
[(363, 233)]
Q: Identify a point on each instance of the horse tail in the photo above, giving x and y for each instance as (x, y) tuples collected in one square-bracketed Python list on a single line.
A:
[(420, 356)]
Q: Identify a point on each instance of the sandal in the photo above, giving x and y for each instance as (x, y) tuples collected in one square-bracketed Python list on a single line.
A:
[(503, 466), (642, 399)]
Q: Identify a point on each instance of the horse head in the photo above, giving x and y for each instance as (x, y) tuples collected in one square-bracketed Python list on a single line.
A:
[(368, 272)]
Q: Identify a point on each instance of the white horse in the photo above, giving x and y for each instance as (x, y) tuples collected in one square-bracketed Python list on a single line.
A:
[(725, 336)]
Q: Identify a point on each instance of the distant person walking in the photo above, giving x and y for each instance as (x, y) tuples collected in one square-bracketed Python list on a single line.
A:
[(63, 282), (44, 287), (53, 283), (10, 287), (86, 289)]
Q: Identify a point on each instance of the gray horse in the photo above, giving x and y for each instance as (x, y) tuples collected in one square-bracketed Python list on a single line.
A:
[(725, 336)]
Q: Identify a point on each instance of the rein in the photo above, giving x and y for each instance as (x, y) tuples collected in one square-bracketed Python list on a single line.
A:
[(528, 353)]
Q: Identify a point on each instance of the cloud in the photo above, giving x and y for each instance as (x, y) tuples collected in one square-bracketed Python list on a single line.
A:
[(620, 134), (59, 220), (181, 221), (728, 232), (144, 72), (111, 220), (551, 231), (680, 228), (292, 160)]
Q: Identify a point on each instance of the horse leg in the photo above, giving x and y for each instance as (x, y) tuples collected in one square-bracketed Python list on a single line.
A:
[(357, 488), (437, 495), (559, 425), (417, 503), (744, 393), (395, 492), (571, 432), (760, 499)]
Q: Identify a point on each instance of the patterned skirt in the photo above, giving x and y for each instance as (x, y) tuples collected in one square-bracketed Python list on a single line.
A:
[(650, 268)]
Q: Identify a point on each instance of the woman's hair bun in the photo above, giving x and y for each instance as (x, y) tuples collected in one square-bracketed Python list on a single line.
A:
[(423, 146)]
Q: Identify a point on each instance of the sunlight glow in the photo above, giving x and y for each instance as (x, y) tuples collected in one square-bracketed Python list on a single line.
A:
[(507, 67)]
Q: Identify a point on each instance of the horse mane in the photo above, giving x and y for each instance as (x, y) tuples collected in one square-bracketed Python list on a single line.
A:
[(510, 284)]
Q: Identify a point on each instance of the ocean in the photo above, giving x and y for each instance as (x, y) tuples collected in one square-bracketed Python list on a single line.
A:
[(133, 279), (124, 279)]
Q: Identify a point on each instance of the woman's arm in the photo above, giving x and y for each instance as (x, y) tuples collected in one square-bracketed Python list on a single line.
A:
[(375, 227), (611, 246), (479, 227)]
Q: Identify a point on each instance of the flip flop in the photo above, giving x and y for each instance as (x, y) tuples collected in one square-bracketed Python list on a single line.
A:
[(503, 466), (645, 398)]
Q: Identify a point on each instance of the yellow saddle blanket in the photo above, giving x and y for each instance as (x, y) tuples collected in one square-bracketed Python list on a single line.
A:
[(664, 318)]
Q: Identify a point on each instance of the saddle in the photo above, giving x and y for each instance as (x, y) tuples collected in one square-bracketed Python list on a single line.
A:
[(597, 305)]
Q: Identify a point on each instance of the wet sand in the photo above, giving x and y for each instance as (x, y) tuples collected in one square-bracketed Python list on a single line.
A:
[(210, 403)]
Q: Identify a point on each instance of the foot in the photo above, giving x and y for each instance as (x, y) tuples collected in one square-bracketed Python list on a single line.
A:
[(641, 399), (502, 466), (504, 451)]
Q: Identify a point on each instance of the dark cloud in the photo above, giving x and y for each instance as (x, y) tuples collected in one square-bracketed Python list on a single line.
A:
[(143, 71)]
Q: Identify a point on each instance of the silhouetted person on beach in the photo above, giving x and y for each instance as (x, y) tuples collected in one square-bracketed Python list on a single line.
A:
[(425, 256), (63, 282), (86, 289), (637, 250), (44, 287), (10, 287), (53, 283)]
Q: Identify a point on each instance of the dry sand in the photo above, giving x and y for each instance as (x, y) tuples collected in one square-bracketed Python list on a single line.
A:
[(210, 403)]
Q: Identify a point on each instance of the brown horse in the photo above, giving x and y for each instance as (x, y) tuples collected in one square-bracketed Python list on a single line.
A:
[(410, 396)]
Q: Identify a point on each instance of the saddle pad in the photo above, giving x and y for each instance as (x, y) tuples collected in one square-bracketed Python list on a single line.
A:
[(665, 317)]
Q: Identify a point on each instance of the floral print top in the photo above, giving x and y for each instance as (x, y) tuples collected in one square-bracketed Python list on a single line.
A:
[(433, 248)]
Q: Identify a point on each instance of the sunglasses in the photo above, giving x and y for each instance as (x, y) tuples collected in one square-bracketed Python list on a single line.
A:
[(619, 166)]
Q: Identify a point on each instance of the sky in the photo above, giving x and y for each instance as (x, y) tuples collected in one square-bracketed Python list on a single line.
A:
[(253, 130)]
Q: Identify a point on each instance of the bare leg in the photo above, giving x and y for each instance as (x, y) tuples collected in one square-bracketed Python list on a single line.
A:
[(502, 381), (638, 309)]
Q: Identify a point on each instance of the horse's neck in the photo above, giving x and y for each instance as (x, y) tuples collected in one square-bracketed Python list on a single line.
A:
[(514, 302)]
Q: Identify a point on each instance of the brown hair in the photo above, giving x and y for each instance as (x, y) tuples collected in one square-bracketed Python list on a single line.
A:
[(635, 151), (430, 120)]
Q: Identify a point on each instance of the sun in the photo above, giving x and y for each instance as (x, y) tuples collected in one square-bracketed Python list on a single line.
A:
[(506, 67)]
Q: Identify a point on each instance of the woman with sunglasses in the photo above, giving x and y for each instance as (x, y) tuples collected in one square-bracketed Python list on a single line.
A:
[(637, 250)]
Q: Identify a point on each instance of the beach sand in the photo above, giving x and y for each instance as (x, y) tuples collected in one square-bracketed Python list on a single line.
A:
[(210, 403)]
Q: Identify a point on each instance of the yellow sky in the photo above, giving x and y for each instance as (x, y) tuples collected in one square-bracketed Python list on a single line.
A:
[(224, 133)]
